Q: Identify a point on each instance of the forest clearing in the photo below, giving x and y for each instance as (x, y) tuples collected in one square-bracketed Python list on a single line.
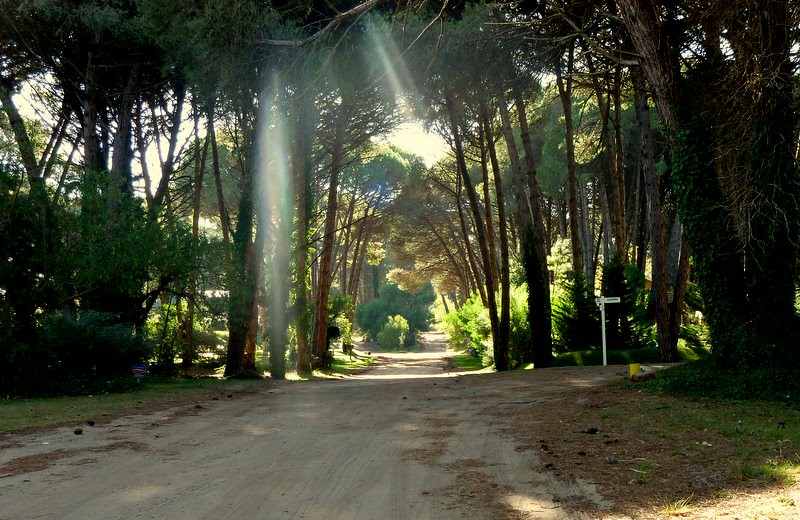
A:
[(408, 438)]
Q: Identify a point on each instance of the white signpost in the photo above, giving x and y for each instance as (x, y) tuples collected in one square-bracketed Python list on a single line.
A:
[(602, 301)]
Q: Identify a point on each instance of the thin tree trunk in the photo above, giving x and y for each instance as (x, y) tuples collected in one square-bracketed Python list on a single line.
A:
[(302, 166), (188, 355), (668, 347), (487, 207), (500, 349), (348, 229), (320, 337), (168, 164), (504, 327), (476, 274), (565, 92)]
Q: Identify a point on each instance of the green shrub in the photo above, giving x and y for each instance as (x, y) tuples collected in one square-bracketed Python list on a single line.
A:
[(340, 312), (94, 343), (519, 340), (627, 325), (576, 318), (469, 325), (703, 378), (391, 300), (393, 335), (90, 353)]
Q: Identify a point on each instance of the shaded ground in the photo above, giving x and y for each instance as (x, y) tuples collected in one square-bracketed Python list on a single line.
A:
[(407, 439)]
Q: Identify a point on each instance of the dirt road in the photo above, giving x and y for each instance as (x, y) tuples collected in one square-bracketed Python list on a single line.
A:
[(406, 440)]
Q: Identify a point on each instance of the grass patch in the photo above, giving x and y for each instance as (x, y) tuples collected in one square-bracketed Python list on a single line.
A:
[(466, 362), (703, 379), (24, 414), (581, 358), (680, 507), (772, 471), (344, 364)]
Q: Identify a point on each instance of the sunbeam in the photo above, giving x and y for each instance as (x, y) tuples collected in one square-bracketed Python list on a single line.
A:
[(275, 201)]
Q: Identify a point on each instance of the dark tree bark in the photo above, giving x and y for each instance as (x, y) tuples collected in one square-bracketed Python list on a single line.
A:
[(168, 162), (240, 300), (120, 180), (747, 296), (666, 343), (302, 167), (536, 269), (473, 264)]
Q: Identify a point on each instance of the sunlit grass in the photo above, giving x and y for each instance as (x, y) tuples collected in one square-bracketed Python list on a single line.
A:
[(466, 362), (23, 414), (342, 365), (680, 507), (778, 471)]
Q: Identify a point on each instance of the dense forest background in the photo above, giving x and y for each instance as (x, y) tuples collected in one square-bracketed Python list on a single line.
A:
[(207, 182)]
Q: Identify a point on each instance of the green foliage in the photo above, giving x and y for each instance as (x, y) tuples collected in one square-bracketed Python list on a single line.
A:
[(576, 319), (393, 335), (391, 300), (594, 357), (520, 334), (340, 307), (163, 332), (88, 354), (627, 325), (469, 326), (467, 362), (704, 378), (559, 261)]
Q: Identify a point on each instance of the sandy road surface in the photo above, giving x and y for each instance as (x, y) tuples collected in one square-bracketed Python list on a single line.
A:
[(405, 440)]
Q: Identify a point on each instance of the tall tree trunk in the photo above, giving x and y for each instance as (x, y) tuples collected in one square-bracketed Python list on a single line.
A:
[(255, 263), (188, 354), (668, 347), (240, 299), (223, 212), (745, 331), (614, 184), (320, 341), (168, 162), (302, 167), (500, 349), (348, 230), (121, 180), (565, 93), (504, 326), (487, 209), (537, 272)]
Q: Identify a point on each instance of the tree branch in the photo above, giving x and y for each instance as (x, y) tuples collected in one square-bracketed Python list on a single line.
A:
[(333, 24)]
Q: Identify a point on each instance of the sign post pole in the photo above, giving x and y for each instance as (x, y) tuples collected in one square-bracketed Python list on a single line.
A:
[(602, 301)]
